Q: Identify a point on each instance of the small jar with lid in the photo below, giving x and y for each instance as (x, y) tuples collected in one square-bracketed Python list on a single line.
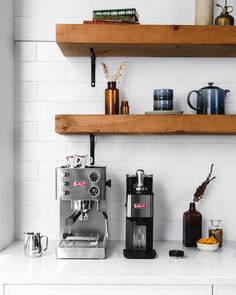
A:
[(124, 108), (216, 231)]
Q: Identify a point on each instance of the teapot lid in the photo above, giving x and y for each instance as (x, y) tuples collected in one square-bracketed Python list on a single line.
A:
[(211, 86)]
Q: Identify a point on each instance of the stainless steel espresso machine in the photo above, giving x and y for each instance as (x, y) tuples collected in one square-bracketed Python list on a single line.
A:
[(83, 217), (139, 216)]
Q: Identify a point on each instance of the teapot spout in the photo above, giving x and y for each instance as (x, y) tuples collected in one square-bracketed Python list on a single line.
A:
[(227, 91)]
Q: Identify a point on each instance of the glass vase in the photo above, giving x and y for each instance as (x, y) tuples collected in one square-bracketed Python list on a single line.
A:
[(192, 226), (111, 99)]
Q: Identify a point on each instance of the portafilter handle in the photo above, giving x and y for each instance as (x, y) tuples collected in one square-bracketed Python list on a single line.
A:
[(140, 180)]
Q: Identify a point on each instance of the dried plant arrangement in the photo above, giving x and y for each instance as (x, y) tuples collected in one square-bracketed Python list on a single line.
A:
[(118, 73), (106, 70), (198, 195)]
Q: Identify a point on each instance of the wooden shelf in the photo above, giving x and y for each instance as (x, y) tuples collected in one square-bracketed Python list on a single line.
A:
[(147, 40), (145, 124)]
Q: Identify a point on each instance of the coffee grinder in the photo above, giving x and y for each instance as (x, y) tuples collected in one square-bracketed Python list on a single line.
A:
[(139, 216)]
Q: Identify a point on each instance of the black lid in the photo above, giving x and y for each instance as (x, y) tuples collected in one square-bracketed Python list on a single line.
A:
[(176, 253), (210, 86)]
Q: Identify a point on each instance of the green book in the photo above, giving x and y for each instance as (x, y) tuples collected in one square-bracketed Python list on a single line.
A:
[(117, 18), (116, 12)]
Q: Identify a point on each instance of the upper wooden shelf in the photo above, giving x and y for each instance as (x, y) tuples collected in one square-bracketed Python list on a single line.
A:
[(145, 124), (147, 40)]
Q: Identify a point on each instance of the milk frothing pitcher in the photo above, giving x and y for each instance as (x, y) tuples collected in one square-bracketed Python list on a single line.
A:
[(33, 245)]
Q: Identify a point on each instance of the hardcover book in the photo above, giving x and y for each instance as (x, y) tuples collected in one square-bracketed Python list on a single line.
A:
[(126, 11), (98, 22), (116, 18)]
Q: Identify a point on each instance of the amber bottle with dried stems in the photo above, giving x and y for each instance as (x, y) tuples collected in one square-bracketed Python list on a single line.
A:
[(192, 219), (111, 99), (112, 93), (192, 226)]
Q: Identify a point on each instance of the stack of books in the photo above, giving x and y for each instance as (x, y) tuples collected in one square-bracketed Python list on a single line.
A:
[(127, 15)]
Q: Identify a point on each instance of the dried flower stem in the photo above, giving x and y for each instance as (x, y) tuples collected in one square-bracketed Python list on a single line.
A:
[(117, 75), (106, 70), (119, 71), (201, 189)]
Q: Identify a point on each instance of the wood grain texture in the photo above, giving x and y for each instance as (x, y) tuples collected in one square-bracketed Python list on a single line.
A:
[(145, 124), (147, 40)]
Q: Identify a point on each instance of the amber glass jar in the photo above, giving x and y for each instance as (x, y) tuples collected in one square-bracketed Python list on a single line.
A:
[(111, 99), (124, 108), (192, 226)]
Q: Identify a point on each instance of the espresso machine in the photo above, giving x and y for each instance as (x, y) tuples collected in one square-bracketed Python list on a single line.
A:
[(139, 216), (83, 217)]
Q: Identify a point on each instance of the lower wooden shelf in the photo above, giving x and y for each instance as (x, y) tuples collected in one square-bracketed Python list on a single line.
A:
[(145, 124)]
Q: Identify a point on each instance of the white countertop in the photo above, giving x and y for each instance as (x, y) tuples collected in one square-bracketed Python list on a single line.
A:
[(196, 268)]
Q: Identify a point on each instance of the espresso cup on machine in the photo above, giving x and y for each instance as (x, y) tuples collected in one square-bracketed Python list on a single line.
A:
[(84, 160), (72, 161), (78, 161)]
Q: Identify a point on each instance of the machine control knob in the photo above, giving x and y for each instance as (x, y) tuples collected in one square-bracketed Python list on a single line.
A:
[(66, 193), (66, 183), (65, 174), (94, 176), (108, 183), (94, 191)]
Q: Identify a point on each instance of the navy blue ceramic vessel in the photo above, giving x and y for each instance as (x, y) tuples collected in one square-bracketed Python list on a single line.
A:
[(163, 105), (163, 93), (163, 99), (210, 100)]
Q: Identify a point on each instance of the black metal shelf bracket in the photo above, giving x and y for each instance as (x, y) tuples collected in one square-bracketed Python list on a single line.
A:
[(93, 66), (92, 148)]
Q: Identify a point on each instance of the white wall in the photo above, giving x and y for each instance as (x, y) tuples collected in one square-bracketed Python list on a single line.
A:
[(48, 84), (6, 123)]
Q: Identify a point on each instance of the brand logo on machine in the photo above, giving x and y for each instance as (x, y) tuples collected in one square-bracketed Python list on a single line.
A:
[(140, 206), (80, 183)]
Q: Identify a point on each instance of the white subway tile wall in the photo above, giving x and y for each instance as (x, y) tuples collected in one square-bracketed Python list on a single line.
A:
[(48, 83)]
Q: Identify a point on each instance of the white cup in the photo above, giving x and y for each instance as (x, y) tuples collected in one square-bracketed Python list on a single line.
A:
[(73, 161), (84, 160), (78, 161)]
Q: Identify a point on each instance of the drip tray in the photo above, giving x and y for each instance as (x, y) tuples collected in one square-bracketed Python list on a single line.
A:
[(81, 247), (80, 241)]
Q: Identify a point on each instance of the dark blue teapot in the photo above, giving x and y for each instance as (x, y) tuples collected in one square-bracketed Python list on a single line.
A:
[(210, 100)]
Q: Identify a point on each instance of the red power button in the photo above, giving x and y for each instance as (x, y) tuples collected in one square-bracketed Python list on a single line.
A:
[(80, 183), (140, 206)]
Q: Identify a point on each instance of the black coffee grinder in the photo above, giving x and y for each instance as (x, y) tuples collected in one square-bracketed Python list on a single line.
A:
[(139, 217)]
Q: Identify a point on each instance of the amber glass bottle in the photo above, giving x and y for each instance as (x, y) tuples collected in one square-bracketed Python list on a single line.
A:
[(192, 226), (124, 108), (111, 99)]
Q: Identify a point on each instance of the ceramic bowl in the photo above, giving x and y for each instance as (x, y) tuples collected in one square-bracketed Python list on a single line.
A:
[(208, 247)]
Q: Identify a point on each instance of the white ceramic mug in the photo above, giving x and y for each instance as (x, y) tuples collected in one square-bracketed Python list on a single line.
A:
[(78, 161), (84, 160), (73, 161)]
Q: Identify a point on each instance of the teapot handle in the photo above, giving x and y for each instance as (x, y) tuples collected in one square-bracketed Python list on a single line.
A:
[(189, 102), (46, 246)]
